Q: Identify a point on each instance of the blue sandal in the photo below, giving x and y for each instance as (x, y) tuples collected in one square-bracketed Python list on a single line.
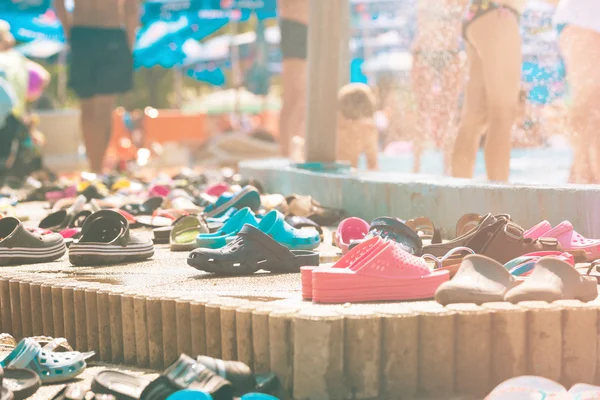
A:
[(51, 367), (229, 230), (274, 225)]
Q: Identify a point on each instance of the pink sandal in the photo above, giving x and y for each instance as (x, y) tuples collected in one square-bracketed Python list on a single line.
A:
[(388, 274), (353, 256), (538, 230), (570, 240), (217, 189), (348, 230)]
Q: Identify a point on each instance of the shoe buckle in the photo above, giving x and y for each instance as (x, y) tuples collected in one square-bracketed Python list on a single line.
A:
[(513, 231)]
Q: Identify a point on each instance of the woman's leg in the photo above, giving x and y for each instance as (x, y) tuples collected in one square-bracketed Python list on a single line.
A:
[(451, 84), (581, 51), (473, 121), (422, 79), (497, 37)]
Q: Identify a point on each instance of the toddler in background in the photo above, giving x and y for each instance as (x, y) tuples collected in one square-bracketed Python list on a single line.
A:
[(356, 129)]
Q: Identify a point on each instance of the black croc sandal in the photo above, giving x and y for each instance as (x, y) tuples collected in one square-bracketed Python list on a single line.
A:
[(106, 239), (250, 251), (396, 230)]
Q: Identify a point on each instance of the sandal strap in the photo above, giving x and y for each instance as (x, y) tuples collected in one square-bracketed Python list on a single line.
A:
[(439, 261), (114, 215), (54, 343), (25, 352)]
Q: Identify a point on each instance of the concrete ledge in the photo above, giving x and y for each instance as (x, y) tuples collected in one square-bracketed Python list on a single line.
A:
[(444, 200), (383, 351)]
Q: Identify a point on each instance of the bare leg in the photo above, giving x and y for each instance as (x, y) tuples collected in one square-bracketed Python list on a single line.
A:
[(293, 111), (584, 112), (293, 81), (451, 82), (473, 121), (96, 120), (497, 38), (422, 85)]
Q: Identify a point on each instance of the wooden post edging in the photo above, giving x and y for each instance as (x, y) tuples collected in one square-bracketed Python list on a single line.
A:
[(387, 352)]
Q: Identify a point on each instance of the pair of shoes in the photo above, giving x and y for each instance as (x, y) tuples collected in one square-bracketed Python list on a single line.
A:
[(218, 379), (496, 237), (377, 269), (568, 238), (481, 279), (107, 239), (35, 364), (272, 224), (252, 250)]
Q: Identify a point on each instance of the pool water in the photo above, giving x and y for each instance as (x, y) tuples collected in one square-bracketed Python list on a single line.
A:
[(533, 165)]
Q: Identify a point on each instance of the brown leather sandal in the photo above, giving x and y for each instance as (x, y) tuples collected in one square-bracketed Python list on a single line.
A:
[(496, 237)]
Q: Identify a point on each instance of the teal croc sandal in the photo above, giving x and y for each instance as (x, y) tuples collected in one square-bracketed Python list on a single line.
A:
[(274, 225), (190, 394), (51, 367), (228, 231)]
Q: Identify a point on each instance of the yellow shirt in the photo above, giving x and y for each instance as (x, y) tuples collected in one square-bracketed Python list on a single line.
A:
[(13, 68)]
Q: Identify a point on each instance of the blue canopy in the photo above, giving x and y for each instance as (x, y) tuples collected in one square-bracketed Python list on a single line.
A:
[(28, 26), (30, 6)]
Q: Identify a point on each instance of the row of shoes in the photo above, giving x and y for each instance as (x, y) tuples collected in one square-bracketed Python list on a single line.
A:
[(493, 259), (41, 360)]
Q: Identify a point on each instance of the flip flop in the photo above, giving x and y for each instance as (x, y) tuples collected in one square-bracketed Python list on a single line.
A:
[(228, 232), (250, 251), (522, 266), (50, 366), (306, 206), (355, 255), (161, 218), (146, 208), (20, 246), (122, 386), (106, 239), (184, 232), (349, 230), (478, 280), (247, 197), (554, 279), (22, 382), (390, 274)]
